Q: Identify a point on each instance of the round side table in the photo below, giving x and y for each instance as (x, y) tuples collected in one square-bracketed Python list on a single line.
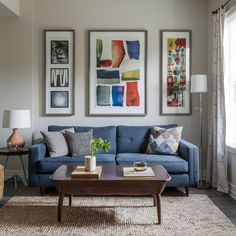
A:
[(15, 153)]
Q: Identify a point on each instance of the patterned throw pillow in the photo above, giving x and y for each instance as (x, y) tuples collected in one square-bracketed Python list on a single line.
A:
[(164, 141), (79, 143)]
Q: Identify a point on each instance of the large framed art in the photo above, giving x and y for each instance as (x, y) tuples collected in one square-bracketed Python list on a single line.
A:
[(175, 72), (59, 72), (117, 72)]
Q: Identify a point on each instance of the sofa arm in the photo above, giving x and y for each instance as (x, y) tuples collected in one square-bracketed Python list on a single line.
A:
[(190, 153), (37, 152)]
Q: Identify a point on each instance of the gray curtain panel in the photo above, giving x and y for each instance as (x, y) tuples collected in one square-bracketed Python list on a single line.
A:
[(217, 153)]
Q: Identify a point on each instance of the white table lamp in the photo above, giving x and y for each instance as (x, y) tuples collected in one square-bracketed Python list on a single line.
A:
[(16, 119), (199, 85)]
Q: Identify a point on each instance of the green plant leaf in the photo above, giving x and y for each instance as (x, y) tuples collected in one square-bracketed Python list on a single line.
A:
[(99, 144)]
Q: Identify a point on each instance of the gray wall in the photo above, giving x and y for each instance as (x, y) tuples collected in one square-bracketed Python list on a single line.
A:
[(21, 63)]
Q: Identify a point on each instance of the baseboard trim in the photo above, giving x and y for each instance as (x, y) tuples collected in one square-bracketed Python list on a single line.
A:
[(232, 190)]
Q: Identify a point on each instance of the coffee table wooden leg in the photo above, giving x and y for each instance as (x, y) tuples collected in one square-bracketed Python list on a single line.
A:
[(70, 199), (158, 205), (60, 205), (154, 200)]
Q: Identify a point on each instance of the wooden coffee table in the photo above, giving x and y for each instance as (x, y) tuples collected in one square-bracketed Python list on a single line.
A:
[(111, 182)]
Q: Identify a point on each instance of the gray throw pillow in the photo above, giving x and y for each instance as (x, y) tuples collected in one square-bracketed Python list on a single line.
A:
[(79, 143), (56, 142)]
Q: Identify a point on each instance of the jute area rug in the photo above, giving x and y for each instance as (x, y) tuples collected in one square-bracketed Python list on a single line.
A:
[(36, 215)]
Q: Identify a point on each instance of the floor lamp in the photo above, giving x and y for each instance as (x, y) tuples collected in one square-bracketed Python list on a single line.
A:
[(199, 85)]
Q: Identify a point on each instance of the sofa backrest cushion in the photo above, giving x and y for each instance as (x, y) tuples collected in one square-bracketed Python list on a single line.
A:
[(106, 133), (134, 139)]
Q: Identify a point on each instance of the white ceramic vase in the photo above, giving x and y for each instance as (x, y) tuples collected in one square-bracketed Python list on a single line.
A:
[(90, 163)]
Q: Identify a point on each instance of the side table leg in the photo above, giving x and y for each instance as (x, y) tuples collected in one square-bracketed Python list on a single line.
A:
[(187, 191), (60, 205), (15, 182), (23, 167), (5, 164), (70, 199), (158, 204)]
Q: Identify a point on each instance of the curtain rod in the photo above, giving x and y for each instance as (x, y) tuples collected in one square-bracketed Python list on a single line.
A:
[(222, 6)]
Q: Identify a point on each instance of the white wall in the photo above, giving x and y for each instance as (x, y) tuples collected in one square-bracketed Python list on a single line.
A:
[(82, 15)]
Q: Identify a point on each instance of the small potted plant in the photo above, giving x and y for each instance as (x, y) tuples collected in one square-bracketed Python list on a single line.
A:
[(96, 145)]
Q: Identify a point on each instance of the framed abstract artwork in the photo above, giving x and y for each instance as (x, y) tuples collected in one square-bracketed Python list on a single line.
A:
[(59, 72), (175, 72), (117, 72)]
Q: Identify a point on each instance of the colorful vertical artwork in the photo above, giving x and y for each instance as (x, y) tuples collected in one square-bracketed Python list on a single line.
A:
[(133, 48), (118, 52), (176, 78), (117, 96), (132, 94), (117, 72), (175, 72), (108, 76), (131, 75), (103, 95)]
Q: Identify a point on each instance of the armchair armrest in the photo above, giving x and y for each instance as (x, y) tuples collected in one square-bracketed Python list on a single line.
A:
[(37, 152), (190, 153)]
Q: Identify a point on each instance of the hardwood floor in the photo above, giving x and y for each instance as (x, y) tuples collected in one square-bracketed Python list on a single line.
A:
[(223, 201)]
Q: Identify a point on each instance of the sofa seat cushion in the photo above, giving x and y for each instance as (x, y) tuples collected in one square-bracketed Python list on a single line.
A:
[(172, 163), (49, 165)]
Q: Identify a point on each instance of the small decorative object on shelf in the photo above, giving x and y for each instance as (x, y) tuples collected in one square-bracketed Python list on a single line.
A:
[(140, 166), (96, 145)]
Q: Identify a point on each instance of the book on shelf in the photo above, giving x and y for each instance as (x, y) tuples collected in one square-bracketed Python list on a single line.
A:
[(131, 172)]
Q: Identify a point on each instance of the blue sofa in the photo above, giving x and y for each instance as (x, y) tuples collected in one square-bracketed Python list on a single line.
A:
[(128, 144)]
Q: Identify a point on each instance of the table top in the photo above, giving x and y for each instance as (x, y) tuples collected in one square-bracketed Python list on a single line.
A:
[(110, 173), (8, 152)]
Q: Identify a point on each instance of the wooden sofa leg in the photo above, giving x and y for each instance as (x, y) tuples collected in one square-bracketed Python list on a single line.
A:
[(41, 190), (187, 190)]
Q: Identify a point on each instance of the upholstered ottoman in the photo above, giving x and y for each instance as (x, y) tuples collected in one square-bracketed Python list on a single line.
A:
[(1, 181)]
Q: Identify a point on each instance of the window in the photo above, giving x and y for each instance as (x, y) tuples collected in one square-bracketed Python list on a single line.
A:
[(230, 77)]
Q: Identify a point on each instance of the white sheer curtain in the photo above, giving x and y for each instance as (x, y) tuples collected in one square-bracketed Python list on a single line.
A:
[(216, 153)]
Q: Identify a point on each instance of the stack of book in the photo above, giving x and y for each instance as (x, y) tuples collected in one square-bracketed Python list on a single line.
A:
[(131, 172)]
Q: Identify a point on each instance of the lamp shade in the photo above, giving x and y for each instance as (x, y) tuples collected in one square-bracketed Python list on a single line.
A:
[(16, 119), (198, 84)]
